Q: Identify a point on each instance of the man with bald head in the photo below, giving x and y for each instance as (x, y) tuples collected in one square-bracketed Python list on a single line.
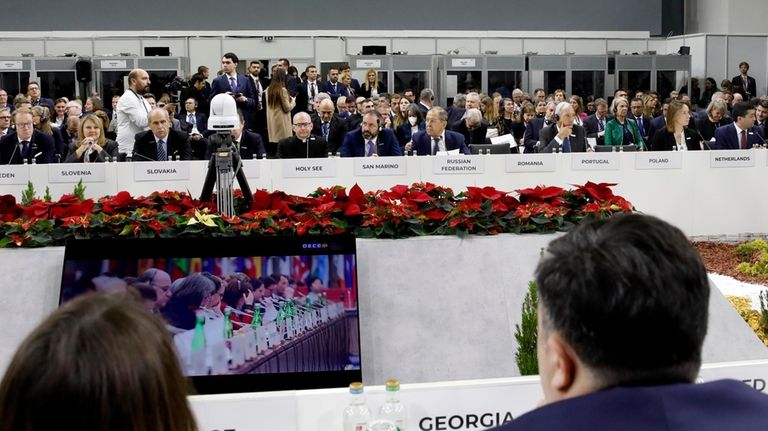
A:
[(329, 125), (303, 144), (132, 111), (161, 142), (564, 136)]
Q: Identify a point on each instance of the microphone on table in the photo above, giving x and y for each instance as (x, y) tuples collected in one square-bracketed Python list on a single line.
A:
[(149, 159)]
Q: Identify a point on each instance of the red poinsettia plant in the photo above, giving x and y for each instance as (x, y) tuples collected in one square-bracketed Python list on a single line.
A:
[(401, 211)]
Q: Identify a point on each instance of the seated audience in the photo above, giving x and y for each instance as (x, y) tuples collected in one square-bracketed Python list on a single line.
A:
[(622, 130), (565, 136), (370, 139), (676, 135), (436, 138), (716, 116), (303, 144), (27, 144), (91, 145), (161, 142)]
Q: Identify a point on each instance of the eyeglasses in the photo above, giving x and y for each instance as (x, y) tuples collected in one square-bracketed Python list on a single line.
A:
[(302, 124), (23, 124), (5, 117)]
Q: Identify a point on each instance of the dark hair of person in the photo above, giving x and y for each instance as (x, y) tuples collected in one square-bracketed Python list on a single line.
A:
[(101, 362), (268, 282), (741, 109), (232, 56), (275, 89), (413, 110), (198, 77), (234, 291), (186, 299), (630, 295)]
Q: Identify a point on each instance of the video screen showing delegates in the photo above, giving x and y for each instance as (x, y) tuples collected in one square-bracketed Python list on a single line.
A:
[(246, 315)]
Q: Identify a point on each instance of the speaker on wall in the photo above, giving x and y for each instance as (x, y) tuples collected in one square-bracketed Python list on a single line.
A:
[(83, 69)]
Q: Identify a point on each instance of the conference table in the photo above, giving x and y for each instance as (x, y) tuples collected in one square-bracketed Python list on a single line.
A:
[(705, 193)]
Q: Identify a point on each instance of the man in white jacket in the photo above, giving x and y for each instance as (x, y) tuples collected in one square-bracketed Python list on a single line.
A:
[(132, 110)]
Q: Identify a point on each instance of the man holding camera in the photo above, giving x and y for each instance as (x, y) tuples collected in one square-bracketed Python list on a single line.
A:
[(238, 86)]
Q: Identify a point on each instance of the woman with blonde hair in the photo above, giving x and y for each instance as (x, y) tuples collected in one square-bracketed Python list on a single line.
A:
[(92, 145), (372, 87)]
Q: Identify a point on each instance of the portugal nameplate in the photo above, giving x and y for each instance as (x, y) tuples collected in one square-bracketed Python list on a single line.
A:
[(595, 161)]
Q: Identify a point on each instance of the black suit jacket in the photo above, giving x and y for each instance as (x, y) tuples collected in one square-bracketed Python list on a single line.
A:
[(707, 128), (294, 148), (664, 140), (302, 96), (646, 125), (592, 127), (250, 144), (336, 131), (475, 137), (455, 114), (738, 87), (532, 131), (145, 147), (201, 121), (548, 142), (10, 151), (354, 121)]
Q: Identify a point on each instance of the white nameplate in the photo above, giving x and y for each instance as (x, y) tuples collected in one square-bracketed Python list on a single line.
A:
[(531, 163), (369, 64), (309, 168), (458, 164), (463, 62), (114, 64), (160, 171), (11, 65), (659, 160), (370, 166), (14, 174), (595, 161), (732, 158), (252, 168), (74, 172)]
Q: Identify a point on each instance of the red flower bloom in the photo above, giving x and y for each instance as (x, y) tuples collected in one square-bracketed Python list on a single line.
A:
[(9, 210)]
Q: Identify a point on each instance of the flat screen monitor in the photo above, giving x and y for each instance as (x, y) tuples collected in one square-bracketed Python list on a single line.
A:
[(246, 314)]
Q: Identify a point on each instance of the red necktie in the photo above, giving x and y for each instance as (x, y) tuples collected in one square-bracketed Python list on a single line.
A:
[(743, 139)]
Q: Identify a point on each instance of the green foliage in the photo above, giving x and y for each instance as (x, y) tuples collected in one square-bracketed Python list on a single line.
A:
[(79, 191), (763, 321), (754, 256), (28, 195), (526, 333), (47, 196)]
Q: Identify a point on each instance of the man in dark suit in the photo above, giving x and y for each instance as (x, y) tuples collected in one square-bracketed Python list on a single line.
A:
[(196, 90), (355, 84), (248, 144), (436, 138), (532, 130), (329, 126), (370, 140), (426, 100), (33, 93), (743, 83), (473, 127), (26, 143), (354, 119), (761, 117), (239, 86), (258, 74), (333, 87), (161, 142), (303, 144), (660, 122), (457, 109), (740, 134), (292, 83), (643, 121), (595, 123), (564, 135), (307, 91), (630, 366), (191, 120)]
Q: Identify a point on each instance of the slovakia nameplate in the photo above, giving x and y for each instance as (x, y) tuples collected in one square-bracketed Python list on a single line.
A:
[(458, 164), (252, 168), (380, 166), (309, 168), (732, 158), (531, 163), (160, 171), (74, 172), (595, 161), (14, 174), (659, 160)]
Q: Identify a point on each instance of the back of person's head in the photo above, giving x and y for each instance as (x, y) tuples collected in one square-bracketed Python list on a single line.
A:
[(630, 296), (101, 362)]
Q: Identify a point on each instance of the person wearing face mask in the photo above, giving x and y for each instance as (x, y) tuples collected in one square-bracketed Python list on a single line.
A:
[(414, 123)]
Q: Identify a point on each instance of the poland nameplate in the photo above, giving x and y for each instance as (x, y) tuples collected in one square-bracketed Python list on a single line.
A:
[(160, 171), (659, 160), (14, 174), (74, 172), (531, 163), (380, 166), (595, 161), (252, 168), (458, 164), (309, 168), (732, 158)]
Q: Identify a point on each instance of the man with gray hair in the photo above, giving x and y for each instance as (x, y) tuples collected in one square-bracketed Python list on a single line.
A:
[(436, 139), (161, 142), (473, 128), (564, 135), (426, 100)]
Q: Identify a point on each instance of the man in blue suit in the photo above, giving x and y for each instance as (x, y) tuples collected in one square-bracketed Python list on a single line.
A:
[(370, 140), (630, 366), (533, 129), (740, 134), (239, 86), (436, 137)]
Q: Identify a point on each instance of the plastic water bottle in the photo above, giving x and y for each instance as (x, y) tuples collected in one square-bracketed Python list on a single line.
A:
[(392, 409), (198, 366), (357, 415)]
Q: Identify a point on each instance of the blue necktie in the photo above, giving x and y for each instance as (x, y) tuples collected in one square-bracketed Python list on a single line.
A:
[(566, 145), (25, 149), (640, 126), (325, 130), (233, 84), (371, 147), (161, 155), (191, 119), (600, 125), (436, 147)]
